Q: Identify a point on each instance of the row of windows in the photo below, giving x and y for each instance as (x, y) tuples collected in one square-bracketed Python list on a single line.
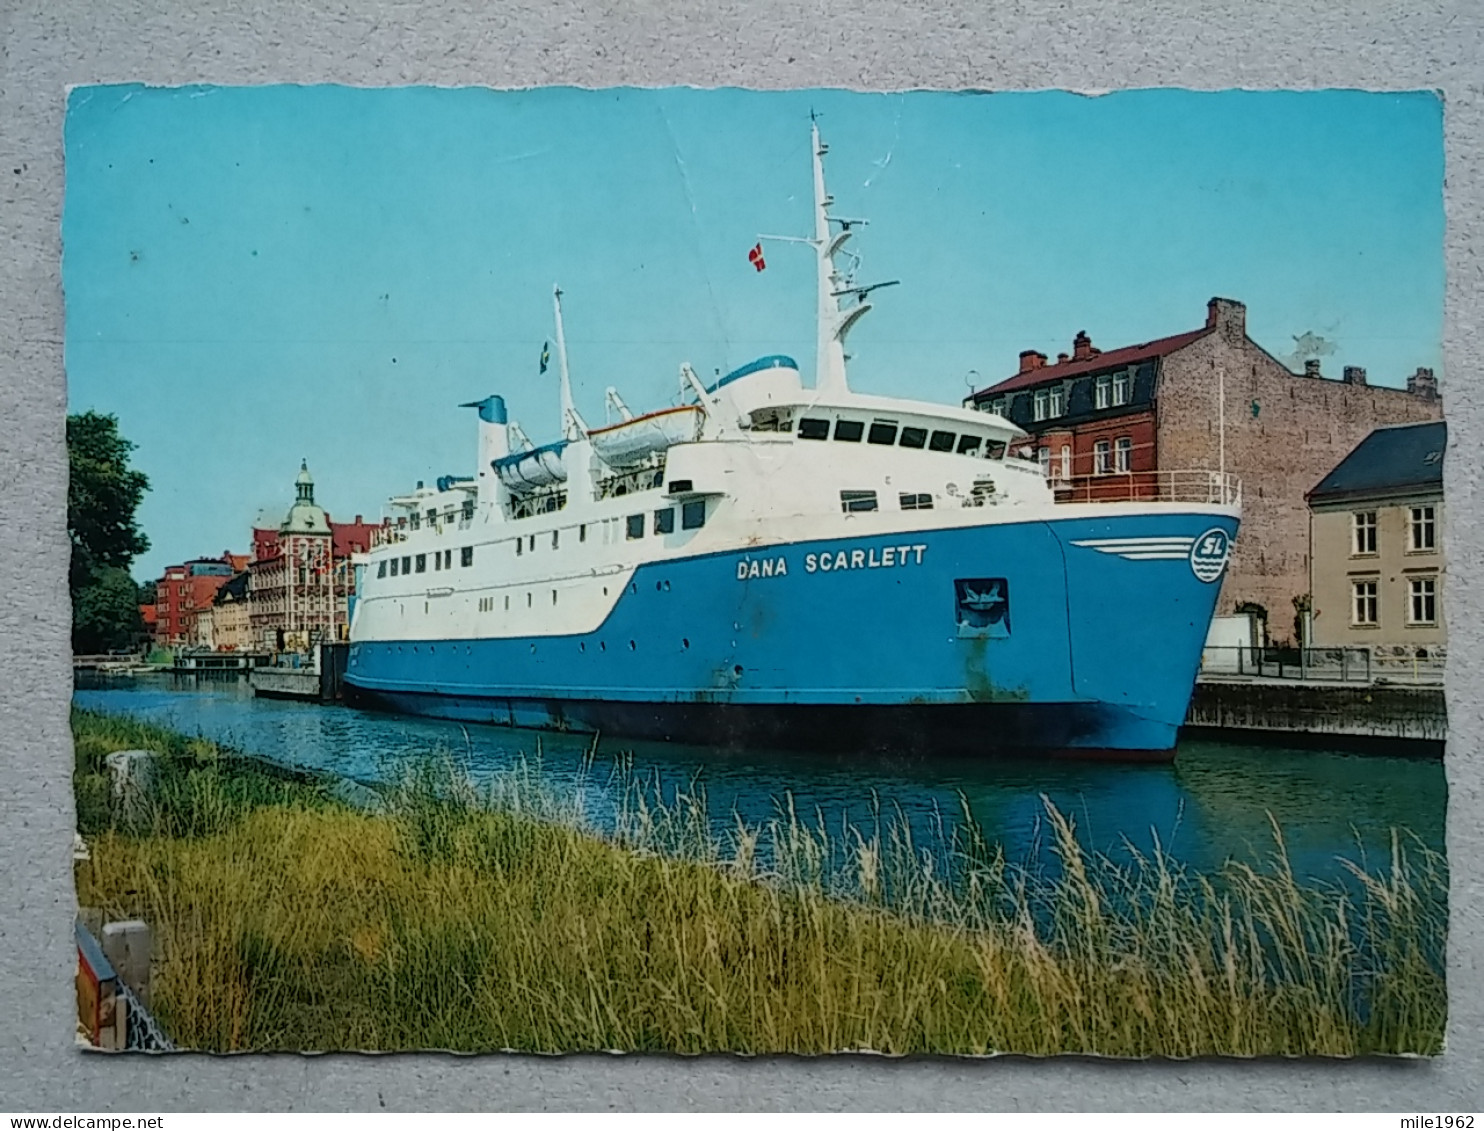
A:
[(887, 433), (1422, 601), (1110, 390), (418, 563), (1108, 457), (851, 501), (1422, 531), (416, 519), (692, 517)]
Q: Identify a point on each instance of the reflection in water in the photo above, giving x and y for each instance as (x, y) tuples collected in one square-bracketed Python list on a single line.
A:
[(1211, 805)]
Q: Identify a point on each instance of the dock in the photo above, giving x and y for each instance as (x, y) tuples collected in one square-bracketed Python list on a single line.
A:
[(321, 680), (1359, 716)]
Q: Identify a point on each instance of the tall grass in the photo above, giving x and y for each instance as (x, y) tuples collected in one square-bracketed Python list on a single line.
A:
[(462, 918)]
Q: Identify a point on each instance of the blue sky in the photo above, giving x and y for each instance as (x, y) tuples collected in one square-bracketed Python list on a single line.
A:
[(259, 275)]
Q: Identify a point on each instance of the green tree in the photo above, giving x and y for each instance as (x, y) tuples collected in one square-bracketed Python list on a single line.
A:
[(105, 614), (103, 492)]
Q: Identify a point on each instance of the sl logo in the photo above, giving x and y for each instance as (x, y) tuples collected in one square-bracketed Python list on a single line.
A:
[(1209, 553)]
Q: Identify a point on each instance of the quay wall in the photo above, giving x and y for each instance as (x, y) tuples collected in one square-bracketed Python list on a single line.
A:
[(1369, 712)]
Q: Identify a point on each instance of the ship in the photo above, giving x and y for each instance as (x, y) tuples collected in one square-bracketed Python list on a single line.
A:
[(767, 565)]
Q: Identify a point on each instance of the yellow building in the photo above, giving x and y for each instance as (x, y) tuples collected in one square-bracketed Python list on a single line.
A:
[(1376, 563), (231, 616)]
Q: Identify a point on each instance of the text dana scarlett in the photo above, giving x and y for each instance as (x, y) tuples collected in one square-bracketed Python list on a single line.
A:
[(886, 557)]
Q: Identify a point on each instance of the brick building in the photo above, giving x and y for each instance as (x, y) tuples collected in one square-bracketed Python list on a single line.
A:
[(184, 591), (1122, 423), (301, 576)]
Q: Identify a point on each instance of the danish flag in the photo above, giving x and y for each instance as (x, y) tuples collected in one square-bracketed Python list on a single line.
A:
[(755, 257)]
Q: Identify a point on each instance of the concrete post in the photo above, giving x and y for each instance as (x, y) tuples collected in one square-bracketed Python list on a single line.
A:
[(131, 771), (126, 945)]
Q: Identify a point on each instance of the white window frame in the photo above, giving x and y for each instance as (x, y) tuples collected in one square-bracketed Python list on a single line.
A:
[(1416, 593), (1102, 457), (1372, 601), (1122, 385), (1040, 401), (1043, 457), (1102, 391), (1123, 454), (1364, 523), (1420, 519), (1057, 402), (1066, 461)]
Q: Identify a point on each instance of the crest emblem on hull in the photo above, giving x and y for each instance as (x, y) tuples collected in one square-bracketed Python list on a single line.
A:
[(1209, 553)]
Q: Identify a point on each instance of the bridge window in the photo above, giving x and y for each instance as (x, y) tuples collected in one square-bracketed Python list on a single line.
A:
[(664, 521), (634, 526), (969, 445), (851, 501), (582, 533), (394, 567), (468, 512), (693, 514), (438, 561), (466, 556), (941, 442), (916, 502), (555, 539), (407, 565), (882, 432), (415, 521), (813, 429), (849, 430), (995, 449), (520, 546), (381, 568), (913, 437)]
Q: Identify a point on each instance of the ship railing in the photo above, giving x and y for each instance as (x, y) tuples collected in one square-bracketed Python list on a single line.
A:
[(546, 502), (1196, 485), (632, 481)]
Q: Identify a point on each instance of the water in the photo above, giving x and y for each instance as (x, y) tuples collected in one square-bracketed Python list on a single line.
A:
[(1209, 806)]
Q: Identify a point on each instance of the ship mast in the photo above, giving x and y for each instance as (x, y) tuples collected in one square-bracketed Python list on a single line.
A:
[(573, 427), (834, 322), (829, 361)]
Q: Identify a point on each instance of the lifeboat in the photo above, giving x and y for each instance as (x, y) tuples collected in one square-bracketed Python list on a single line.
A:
[(522, 472), (634, 440)]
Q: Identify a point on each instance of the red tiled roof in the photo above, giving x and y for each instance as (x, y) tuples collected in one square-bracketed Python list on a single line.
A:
[(1125, 355)]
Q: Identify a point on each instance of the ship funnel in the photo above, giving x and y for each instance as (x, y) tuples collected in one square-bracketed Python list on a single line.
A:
[(494, 443)]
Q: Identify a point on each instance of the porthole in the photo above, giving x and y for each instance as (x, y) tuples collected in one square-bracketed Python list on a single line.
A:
[(632, 646), (684, 644)]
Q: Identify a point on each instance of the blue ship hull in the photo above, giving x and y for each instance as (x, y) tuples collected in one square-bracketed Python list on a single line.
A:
[(997, 639)]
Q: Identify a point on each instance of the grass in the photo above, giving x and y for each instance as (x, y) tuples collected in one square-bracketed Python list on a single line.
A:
[(499, 919)]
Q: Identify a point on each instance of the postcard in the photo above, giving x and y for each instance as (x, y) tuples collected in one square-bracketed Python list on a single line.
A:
[(714, 571)]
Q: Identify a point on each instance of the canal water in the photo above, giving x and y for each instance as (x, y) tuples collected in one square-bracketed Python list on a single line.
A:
[(1210, 806)]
